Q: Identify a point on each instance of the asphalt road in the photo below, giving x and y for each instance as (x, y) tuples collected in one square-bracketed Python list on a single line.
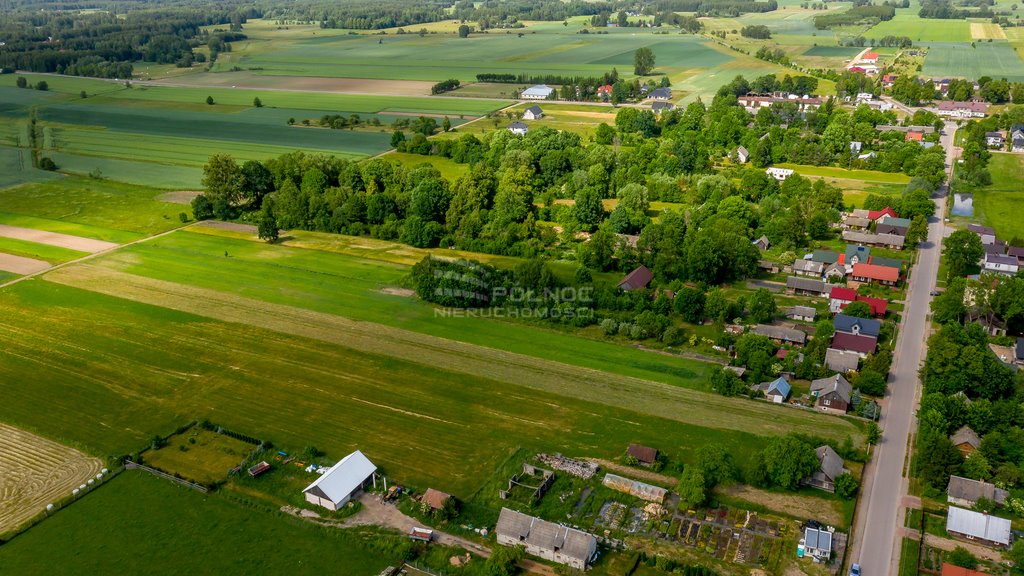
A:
[(880, 510)]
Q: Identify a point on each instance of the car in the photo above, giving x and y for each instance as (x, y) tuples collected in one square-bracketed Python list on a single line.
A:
[(855, 570), (934, 293)]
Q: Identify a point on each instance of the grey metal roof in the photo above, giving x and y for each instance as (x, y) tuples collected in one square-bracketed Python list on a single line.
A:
[(780, 333), (854, 325), (803, 311), (835, 383), (868, 238), (534, 110), (809, 284), (808, 266), (841, 360), (971, 490), (978, 525)]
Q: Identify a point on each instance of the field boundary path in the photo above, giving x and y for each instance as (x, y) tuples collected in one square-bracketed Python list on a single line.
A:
[(885, 482), (136, 466)]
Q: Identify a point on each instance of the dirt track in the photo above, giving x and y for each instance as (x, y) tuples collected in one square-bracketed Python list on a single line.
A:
[(21, 265), (55, 239)]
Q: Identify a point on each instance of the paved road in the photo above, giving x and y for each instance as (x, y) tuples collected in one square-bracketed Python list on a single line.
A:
[(880, 510)]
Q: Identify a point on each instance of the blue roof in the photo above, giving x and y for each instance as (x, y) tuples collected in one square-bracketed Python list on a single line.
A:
[(781, 385), (865, 326)]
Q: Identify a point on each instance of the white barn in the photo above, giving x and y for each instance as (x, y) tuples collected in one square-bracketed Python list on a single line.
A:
[(538, 92), (344, 480)]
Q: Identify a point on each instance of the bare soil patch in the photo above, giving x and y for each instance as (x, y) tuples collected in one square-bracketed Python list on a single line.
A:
[(21, 265), (395, 291), (36, 471), (304, 83), (179, 197), (55, 239), (232, 226), (805, 506)]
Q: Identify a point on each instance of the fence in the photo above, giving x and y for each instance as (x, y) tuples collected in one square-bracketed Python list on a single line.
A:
[(133, 466)]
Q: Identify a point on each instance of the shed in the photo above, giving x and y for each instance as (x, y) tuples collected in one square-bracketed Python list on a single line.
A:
[(344, 480), (762, 243), (637, 279), (780, 333), (435, 498), (808, 286), (538, 92), (975, 526), (643, 454)]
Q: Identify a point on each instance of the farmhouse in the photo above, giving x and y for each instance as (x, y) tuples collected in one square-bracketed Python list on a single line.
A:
[(986, 233), (660, 94), (637, 279), (953, 109), (890, 225), (994, 139), (533, 113), (518, 128), (779, 174), (780, 334), (659, 107), (538, 92), (817, 543), (967, 492), (344, 480), (805, 313), (872, 273), (886, 240), (855, 254), (775, 391), (832, 394), (1000, 264), (857, 326), (966, 440), (605, 91), (841, 360), (830, 467), (978, 527), (808, 268), (546, 540), (645, 455), (834, 271), (807, 286)]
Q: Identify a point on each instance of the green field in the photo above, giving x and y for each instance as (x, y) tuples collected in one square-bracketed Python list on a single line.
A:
[(997, 204), (51, 254), (830, 172), (16, 168), (996, 59), (833, 51), (173, 177), (133, 520), (922, 30)]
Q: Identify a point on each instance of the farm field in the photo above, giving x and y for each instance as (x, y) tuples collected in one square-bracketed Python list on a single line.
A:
[(997, 204), (16, 167), (987, 31), (37, 472), (996, 59), (136, 515), (51, 254), (922, 30)]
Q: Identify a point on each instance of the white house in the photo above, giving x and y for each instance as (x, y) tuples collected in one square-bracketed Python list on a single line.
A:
[(533, 113), (779, 174), (518, 128), (344, 480), (986, 233), (742, 155), (1000, 264), (994, 139), (538, 92)]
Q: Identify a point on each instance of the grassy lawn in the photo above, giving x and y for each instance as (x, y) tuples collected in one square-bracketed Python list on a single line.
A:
[(51, 254), (105, 210), (910, 557), (200, 455), (996, 205), (153, 526), (843, 173), (16, 167)]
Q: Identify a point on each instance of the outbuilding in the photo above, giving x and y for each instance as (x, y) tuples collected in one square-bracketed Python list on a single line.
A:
[(344, 480)]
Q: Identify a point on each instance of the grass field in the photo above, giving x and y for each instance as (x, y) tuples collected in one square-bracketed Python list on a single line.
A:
[(922, 30), (16, 168), (200, 455), (132, 519), (996, 59), (140, 172), (51, 254), (37, 472), (109, 210), (997, 204)]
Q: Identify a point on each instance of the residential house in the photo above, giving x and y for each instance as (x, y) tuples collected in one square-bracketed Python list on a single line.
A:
[(547, 540), (604, 92), (780, 334), (997, 247), (518, 128), (341, 483), (832, 394), (660, 94), (888, 80), (533, 113), (852, 222), (999, 264), (913, 136), (1017, 252), (779, 174), (886, 240), (742, 155), (856, 326), (889, 225), (966, 440), (1017, 138), (839, 297), (878, 215), (830, 467), (826, 256), (951, 570), (967, 492), (858, 344), (869, 58), (841, 360), (644, 455), (834, 272), (807, 286), (872, 273), (762, 243), (659, 107), (994, 139), (637, 279), (855, 147), (856, 254), (538, 92), (986, 233), (808, 268), (954, 109), (775, 391), (977, 527), (817, 544), (805, 313)]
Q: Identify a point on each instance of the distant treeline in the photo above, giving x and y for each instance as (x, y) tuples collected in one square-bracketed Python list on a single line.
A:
[(724, 7), (855, 15), (445, 86), (885, 41), (608, 78), (103, 44)]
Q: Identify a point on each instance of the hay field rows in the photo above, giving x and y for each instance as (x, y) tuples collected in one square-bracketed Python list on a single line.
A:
[(36, 472)]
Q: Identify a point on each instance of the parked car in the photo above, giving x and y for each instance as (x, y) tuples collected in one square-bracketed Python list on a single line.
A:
[(855, 570)]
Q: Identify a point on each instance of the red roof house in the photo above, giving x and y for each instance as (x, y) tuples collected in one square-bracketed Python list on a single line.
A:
[(870, 56), (878, 306), (862, 345), (857, 70), (605, 90), (867, 273), (845, 294), (915, 136), (876, 215)]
